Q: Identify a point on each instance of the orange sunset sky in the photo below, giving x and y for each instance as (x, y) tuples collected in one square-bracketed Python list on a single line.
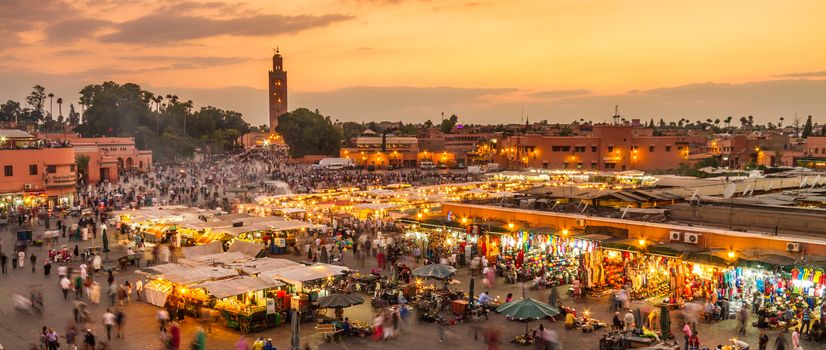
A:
[(413, 59)]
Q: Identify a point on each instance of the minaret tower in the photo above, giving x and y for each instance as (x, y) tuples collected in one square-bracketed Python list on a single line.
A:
[(278, 90)]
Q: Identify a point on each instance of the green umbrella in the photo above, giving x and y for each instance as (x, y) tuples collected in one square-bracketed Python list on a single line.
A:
[(527, 309), (665, 322), (105, 242), (439, 271)]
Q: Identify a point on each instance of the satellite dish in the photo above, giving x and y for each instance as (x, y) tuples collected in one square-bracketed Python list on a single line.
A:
[(729, 190)]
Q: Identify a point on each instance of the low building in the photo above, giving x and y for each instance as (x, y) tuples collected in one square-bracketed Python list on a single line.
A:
[(108, 156), (35, 172), (607, 147), (381, 151), (814, 153)]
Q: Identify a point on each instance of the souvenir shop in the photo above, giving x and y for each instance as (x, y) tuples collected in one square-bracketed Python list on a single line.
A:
[(527, 255)]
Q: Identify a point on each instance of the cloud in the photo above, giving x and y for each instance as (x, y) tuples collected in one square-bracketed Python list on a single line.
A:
[(554, 94), (820, 74), (188, 62), (74, 29), (168, 28), (19, 16)]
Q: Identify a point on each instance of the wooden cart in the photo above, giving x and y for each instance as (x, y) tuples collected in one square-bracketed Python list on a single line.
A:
[(254, 320)]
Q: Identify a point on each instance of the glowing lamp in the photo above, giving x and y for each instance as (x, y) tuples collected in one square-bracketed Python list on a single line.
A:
[(642, 242), (510, 225), (565, 232)]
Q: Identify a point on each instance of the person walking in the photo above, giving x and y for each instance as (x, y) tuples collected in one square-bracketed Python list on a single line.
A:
[(742, 320), (120, 321), (47, 267), (687, 334), (109, 321), (52, 340), (4, 259), (33, 261), (65, 285), (139, 289), (21, 258), (764, 340), (807, 320), (199, 340), (796, 339)]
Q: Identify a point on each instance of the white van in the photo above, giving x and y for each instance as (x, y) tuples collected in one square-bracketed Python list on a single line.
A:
[(427, 165), (335, 163)]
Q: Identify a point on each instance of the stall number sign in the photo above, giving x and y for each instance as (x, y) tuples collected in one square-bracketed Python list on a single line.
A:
[(281, 242), (270, 306)]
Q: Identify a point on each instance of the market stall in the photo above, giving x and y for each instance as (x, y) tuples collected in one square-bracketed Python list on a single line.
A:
[(247, 302), (176, 282)]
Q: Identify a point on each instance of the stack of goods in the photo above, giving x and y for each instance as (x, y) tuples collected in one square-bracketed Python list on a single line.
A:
[(653, 290), (361, 329), (614, 275), (526, 339), (229, 304)]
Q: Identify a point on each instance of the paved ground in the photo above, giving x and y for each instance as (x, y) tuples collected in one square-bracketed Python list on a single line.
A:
[(17, 329)]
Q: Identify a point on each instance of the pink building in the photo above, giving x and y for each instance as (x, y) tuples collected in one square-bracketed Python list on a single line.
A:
[(35, 172), (607, 147), (108, 156)]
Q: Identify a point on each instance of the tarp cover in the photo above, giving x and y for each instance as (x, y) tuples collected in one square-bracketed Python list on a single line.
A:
[(251, 249), (187, 276), (238, 285), (257, 266), (220, 258), (300, 274), (213, 247), (163, 268)]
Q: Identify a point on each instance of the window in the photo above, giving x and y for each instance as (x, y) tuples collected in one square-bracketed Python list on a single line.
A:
[(594, 149), (668, 148), (561, 148), (51, 169), (579, 165), (565, 165), (579, 149), (610, 165), (634, 148), (72, 167), (33, 169), (544, 165), (593, 165), (650, 148), (610, 149), (679, 148), (815, 150), (8, 170)]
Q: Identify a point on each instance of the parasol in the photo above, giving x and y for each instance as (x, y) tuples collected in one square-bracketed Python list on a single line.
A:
[(340, 300), (527, 309), (439, 271)]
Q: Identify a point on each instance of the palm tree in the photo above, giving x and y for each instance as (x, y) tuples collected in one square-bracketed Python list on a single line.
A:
[(780, 125), (60, 107), (51, 107), (717, 122), (82, 161), (728, 121)]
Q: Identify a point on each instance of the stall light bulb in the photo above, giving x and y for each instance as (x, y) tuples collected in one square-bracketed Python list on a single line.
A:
[(642, 241)]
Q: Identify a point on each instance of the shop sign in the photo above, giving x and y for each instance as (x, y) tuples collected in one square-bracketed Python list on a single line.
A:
[(61, 180), (270, 306)]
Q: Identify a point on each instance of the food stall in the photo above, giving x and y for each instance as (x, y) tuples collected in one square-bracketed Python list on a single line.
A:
[(177, 282), (246, 302), (306, 283)]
